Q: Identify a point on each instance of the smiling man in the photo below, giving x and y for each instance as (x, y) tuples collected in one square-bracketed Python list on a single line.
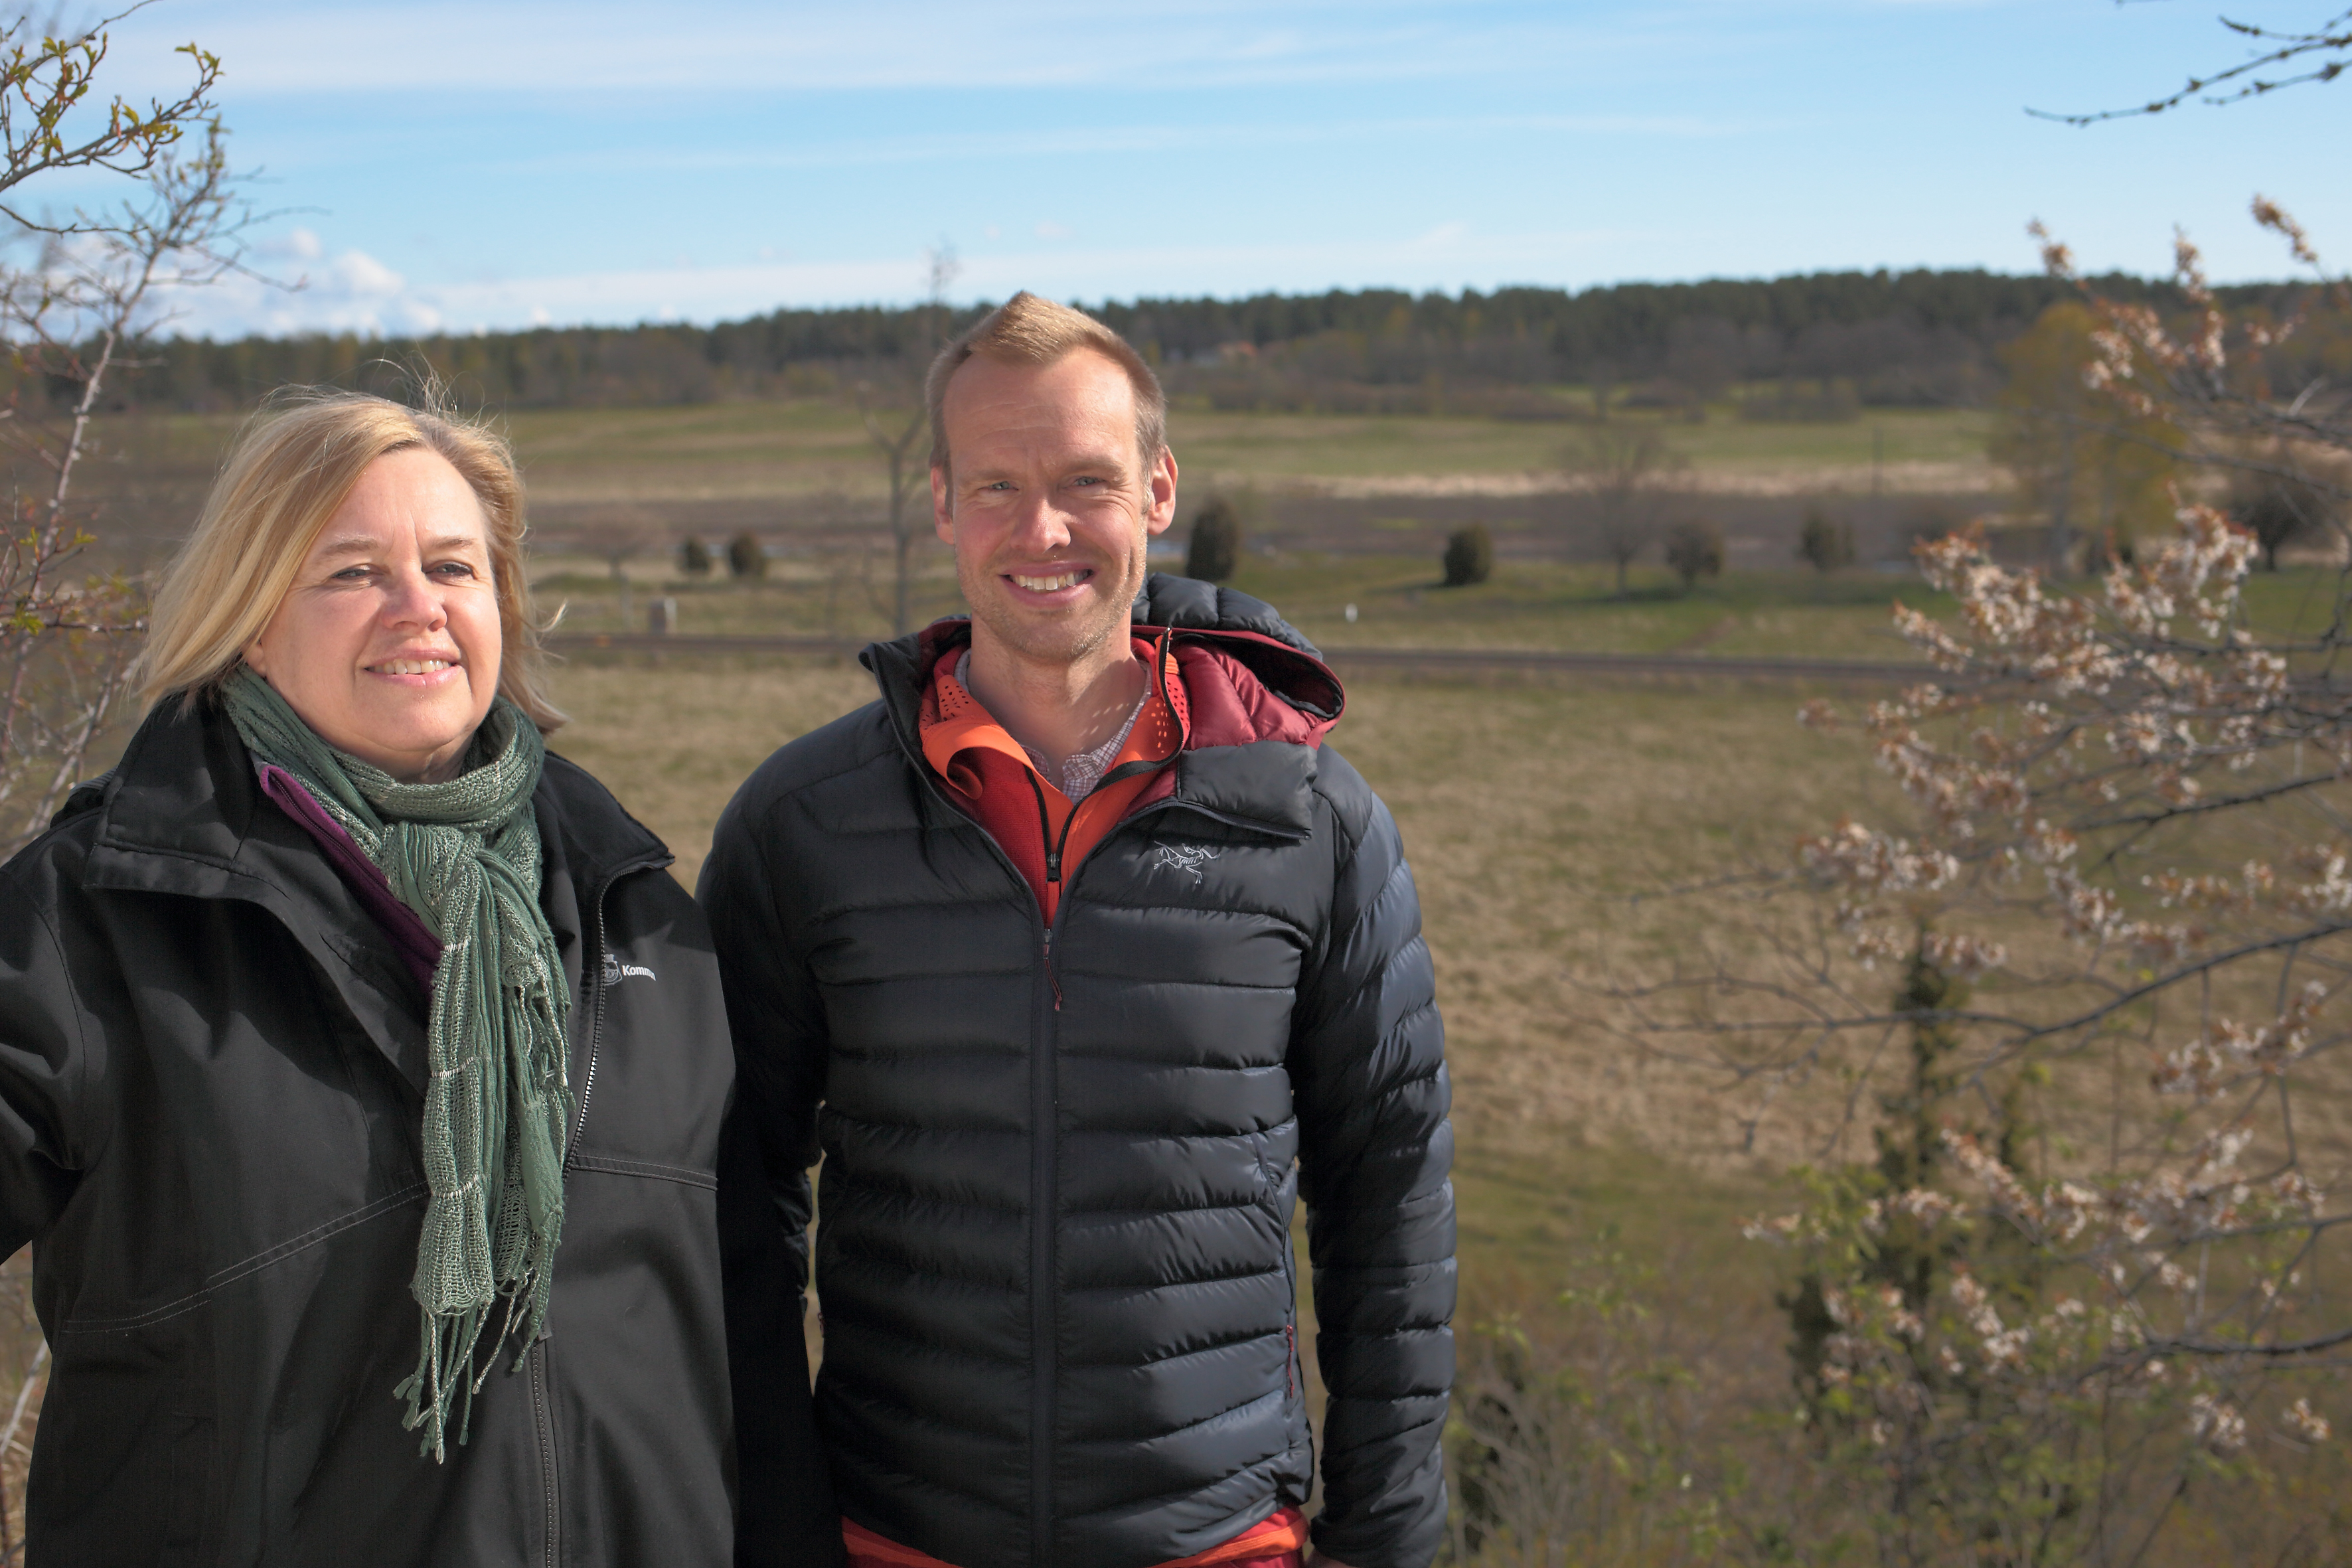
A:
[(1082, 959)]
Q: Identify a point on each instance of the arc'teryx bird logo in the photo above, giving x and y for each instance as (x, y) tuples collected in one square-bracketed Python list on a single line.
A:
[(1186, 858), (616, 971)]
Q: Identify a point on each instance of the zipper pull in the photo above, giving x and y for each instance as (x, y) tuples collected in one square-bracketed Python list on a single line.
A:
[(1289, 1357), (1054, 864)]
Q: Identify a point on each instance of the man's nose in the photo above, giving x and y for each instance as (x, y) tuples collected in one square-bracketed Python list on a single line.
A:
[(1041, 524)]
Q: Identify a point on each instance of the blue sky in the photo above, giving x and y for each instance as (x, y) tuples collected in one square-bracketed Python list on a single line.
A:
[(450, 165)]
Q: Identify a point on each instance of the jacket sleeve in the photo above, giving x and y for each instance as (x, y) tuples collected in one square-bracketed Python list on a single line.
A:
[(785, 1515), (52, 1113), (1368, 1070)]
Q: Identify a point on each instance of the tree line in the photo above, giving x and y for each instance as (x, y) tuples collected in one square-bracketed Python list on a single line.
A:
[(1812, 345)]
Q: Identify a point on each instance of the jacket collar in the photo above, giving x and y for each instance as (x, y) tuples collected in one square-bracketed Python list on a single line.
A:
[(1265, 783), (184, 795), (184, 814)]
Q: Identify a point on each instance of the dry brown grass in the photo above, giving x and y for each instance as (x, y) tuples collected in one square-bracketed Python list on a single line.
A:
[(1532, 812), (673, 740)]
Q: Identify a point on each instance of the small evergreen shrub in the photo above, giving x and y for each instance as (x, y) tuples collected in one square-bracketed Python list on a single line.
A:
[(1828, 545), (1695, 550), (693, 557), (1469, 556), (1216, 552), (745, 558)]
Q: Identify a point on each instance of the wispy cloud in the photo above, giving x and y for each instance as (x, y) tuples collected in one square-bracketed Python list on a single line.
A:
[(354, 292), (585, 45), (1123, 141)]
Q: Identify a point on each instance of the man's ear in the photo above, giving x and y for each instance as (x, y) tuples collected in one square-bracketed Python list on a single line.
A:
[(1162, 509), (942, 507)]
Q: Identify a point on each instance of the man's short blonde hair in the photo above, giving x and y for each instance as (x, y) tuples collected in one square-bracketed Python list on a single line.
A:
[(287, 473), (1027, 330)]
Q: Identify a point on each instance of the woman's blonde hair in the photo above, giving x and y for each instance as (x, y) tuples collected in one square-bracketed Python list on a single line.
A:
[(286, 475)]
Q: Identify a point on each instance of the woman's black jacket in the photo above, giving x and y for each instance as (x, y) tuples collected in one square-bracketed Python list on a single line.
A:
[(1054, 1257), (210, 1069)]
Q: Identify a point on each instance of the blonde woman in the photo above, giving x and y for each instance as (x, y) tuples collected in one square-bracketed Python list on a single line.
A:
[(362, 1072)]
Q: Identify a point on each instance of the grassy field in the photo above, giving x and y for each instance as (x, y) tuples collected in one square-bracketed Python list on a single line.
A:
[(1538, 814), (812, 448), (1399, 601), (1532, 814), (1600, 1186)]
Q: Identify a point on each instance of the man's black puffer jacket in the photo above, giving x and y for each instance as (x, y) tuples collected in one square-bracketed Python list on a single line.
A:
[(1054, 1257), (211, 1070)]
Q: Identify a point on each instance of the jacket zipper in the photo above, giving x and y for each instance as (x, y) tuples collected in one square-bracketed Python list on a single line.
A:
[(1041, 1177), (1044, 1321), (591, 967), (1044, 1318), (591, 962), (543, 1421)]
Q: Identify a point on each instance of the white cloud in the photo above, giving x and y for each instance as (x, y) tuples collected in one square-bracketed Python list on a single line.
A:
[(351, 292), (983, 147), (296, 245), (1049, 229), (354, 292)]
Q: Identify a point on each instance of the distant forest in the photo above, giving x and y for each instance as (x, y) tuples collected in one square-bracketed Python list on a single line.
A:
[(1814, 346)]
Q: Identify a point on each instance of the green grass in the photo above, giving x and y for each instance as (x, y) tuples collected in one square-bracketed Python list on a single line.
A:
[(809, 448), (1400, 602)]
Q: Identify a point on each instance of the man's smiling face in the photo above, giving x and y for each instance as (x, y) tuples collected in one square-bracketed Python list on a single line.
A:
[(1047, 504)]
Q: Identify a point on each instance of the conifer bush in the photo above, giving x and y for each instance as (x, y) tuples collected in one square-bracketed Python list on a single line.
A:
[(746, 559), (1469, 556), (1216, 552), (693, 557), (1827, 545), (1695, 550)]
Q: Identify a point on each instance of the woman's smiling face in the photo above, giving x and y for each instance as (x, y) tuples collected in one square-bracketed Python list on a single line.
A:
[(388, 642)]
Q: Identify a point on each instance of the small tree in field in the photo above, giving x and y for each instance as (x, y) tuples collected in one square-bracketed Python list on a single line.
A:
[(896, 419), (1827, 546), (746, 559), (693, 557), (2090, 974), (1628, 472), (1215, 551), (1695, 550), (1469, 556), (2278, 509)]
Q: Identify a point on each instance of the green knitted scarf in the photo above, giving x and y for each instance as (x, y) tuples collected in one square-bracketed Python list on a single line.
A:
[(464, 855)]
